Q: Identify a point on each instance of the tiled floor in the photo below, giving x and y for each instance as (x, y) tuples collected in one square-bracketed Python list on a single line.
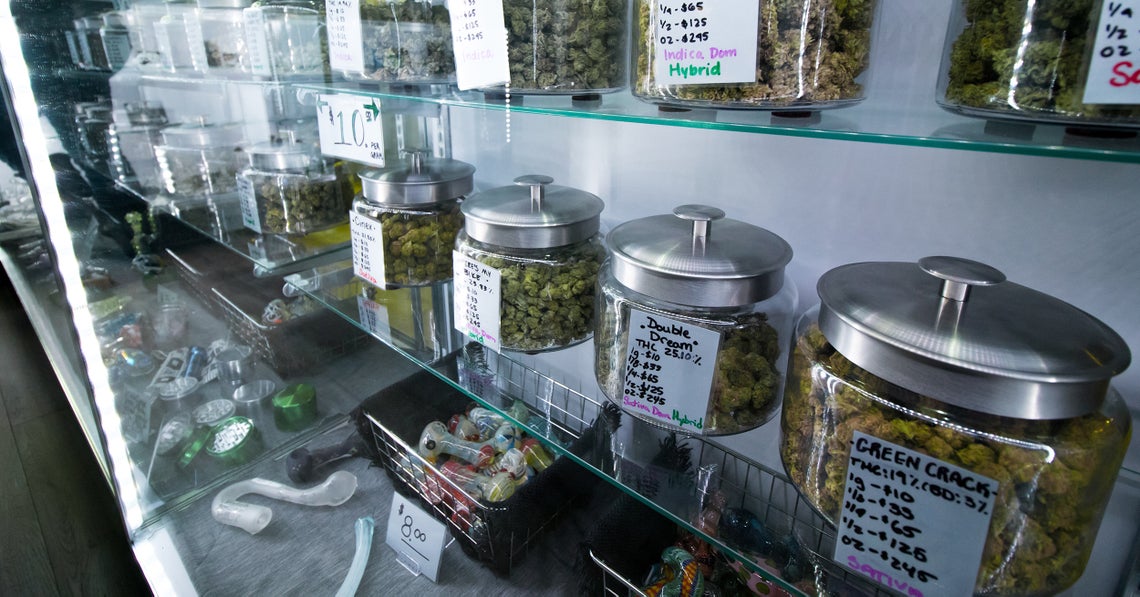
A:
[(60, 529)]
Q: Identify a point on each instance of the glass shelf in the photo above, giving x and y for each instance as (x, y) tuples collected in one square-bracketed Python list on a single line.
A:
[(872, 121)]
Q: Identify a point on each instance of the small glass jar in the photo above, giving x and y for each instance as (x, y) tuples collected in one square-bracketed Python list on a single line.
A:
[(405, 40), (543, 240), (1030, 60), (115, 40), (567, 47), (984, 396), (416, 208), (223, 35), (693, 321), (200, 158), (809, 55), (132, 146), (293, 37), (288, 188)]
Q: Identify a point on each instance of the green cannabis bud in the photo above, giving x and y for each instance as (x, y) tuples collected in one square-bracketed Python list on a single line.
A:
[(1054, 476), (408, 40), (566, 45), (417, 243), (298, 203)]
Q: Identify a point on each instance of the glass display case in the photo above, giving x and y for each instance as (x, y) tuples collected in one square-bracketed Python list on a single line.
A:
[(206, 359)]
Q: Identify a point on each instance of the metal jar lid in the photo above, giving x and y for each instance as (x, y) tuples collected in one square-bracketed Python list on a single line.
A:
[(955, 330), (225, 3), (286, 153), (422, 180), (200, 134), (696, 257), (533, 214)]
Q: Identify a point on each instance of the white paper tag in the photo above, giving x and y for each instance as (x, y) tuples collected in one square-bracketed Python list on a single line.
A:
[(117, 46), (416, 536), (367, 248), (342, 25), (248, 201), (477, 300), (1114, 68), (350, 127), (669, 370), (374, 317), (709, 41), (479, 35), (899, 506), (196, 44), (256, 42)]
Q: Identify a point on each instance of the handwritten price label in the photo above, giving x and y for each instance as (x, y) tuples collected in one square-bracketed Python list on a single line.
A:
[(899, 506), (479, 35), (256, 42), (417, 537), (350, 127), (478, 292), (668, 370), (711, 41), (1114, 67), (342, 27), (374, 317), (247, 199), (367, 248)]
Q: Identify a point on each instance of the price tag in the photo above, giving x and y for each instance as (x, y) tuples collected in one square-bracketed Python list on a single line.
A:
[(374, 317), (248, 201), (417, 537), (479, 35), (256, 42), (367, 248), (118, 49), (342, 26), (899, 506), (350, 127), (669, 370), (478, 293), (1114, 68), (196, 44), (710, 41)]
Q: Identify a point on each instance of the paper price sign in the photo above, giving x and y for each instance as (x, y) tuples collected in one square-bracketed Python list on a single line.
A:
[(710, 41), (417, 537), (899, 506), (342, 27), (256, 42), (477, 295), (247, 199), (350, 127), (479, 36), (367, 248), (1114, 67), (374, 317), (669, 370)]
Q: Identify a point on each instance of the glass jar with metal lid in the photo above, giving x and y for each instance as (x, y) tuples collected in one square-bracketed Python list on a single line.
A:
[(200, 157), (694, 317), (543, 241), (288, 188), (404, 40), (973, 407), (414, 211), (132, 146)]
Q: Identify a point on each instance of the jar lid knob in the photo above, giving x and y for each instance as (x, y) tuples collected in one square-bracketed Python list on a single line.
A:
[(702, 217), (537, 184), (959, 275), (417, 155)]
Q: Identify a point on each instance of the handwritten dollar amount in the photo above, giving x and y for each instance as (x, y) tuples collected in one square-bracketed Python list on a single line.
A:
[(685, 7)]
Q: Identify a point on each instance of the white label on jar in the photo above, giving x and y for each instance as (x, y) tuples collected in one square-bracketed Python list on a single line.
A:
[(253, 21), (899, 507), (1114, 67), (351, 128), (479, 33), (117, 46), (367, 248), (247, 198), (196, 44), (711, 41), (668, 370), (374, 317), (478, 292), (342, 24)]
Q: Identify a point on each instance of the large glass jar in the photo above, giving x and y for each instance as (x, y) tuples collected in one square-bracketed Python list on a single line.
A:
[(693, 321), (223, 35), (200, 157), (132, 146), (415, 212), (959, 405), (543, 241), (566, 46), (288, 188), (801, 55), (405, 40), (291, 39), (1031, 60)]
